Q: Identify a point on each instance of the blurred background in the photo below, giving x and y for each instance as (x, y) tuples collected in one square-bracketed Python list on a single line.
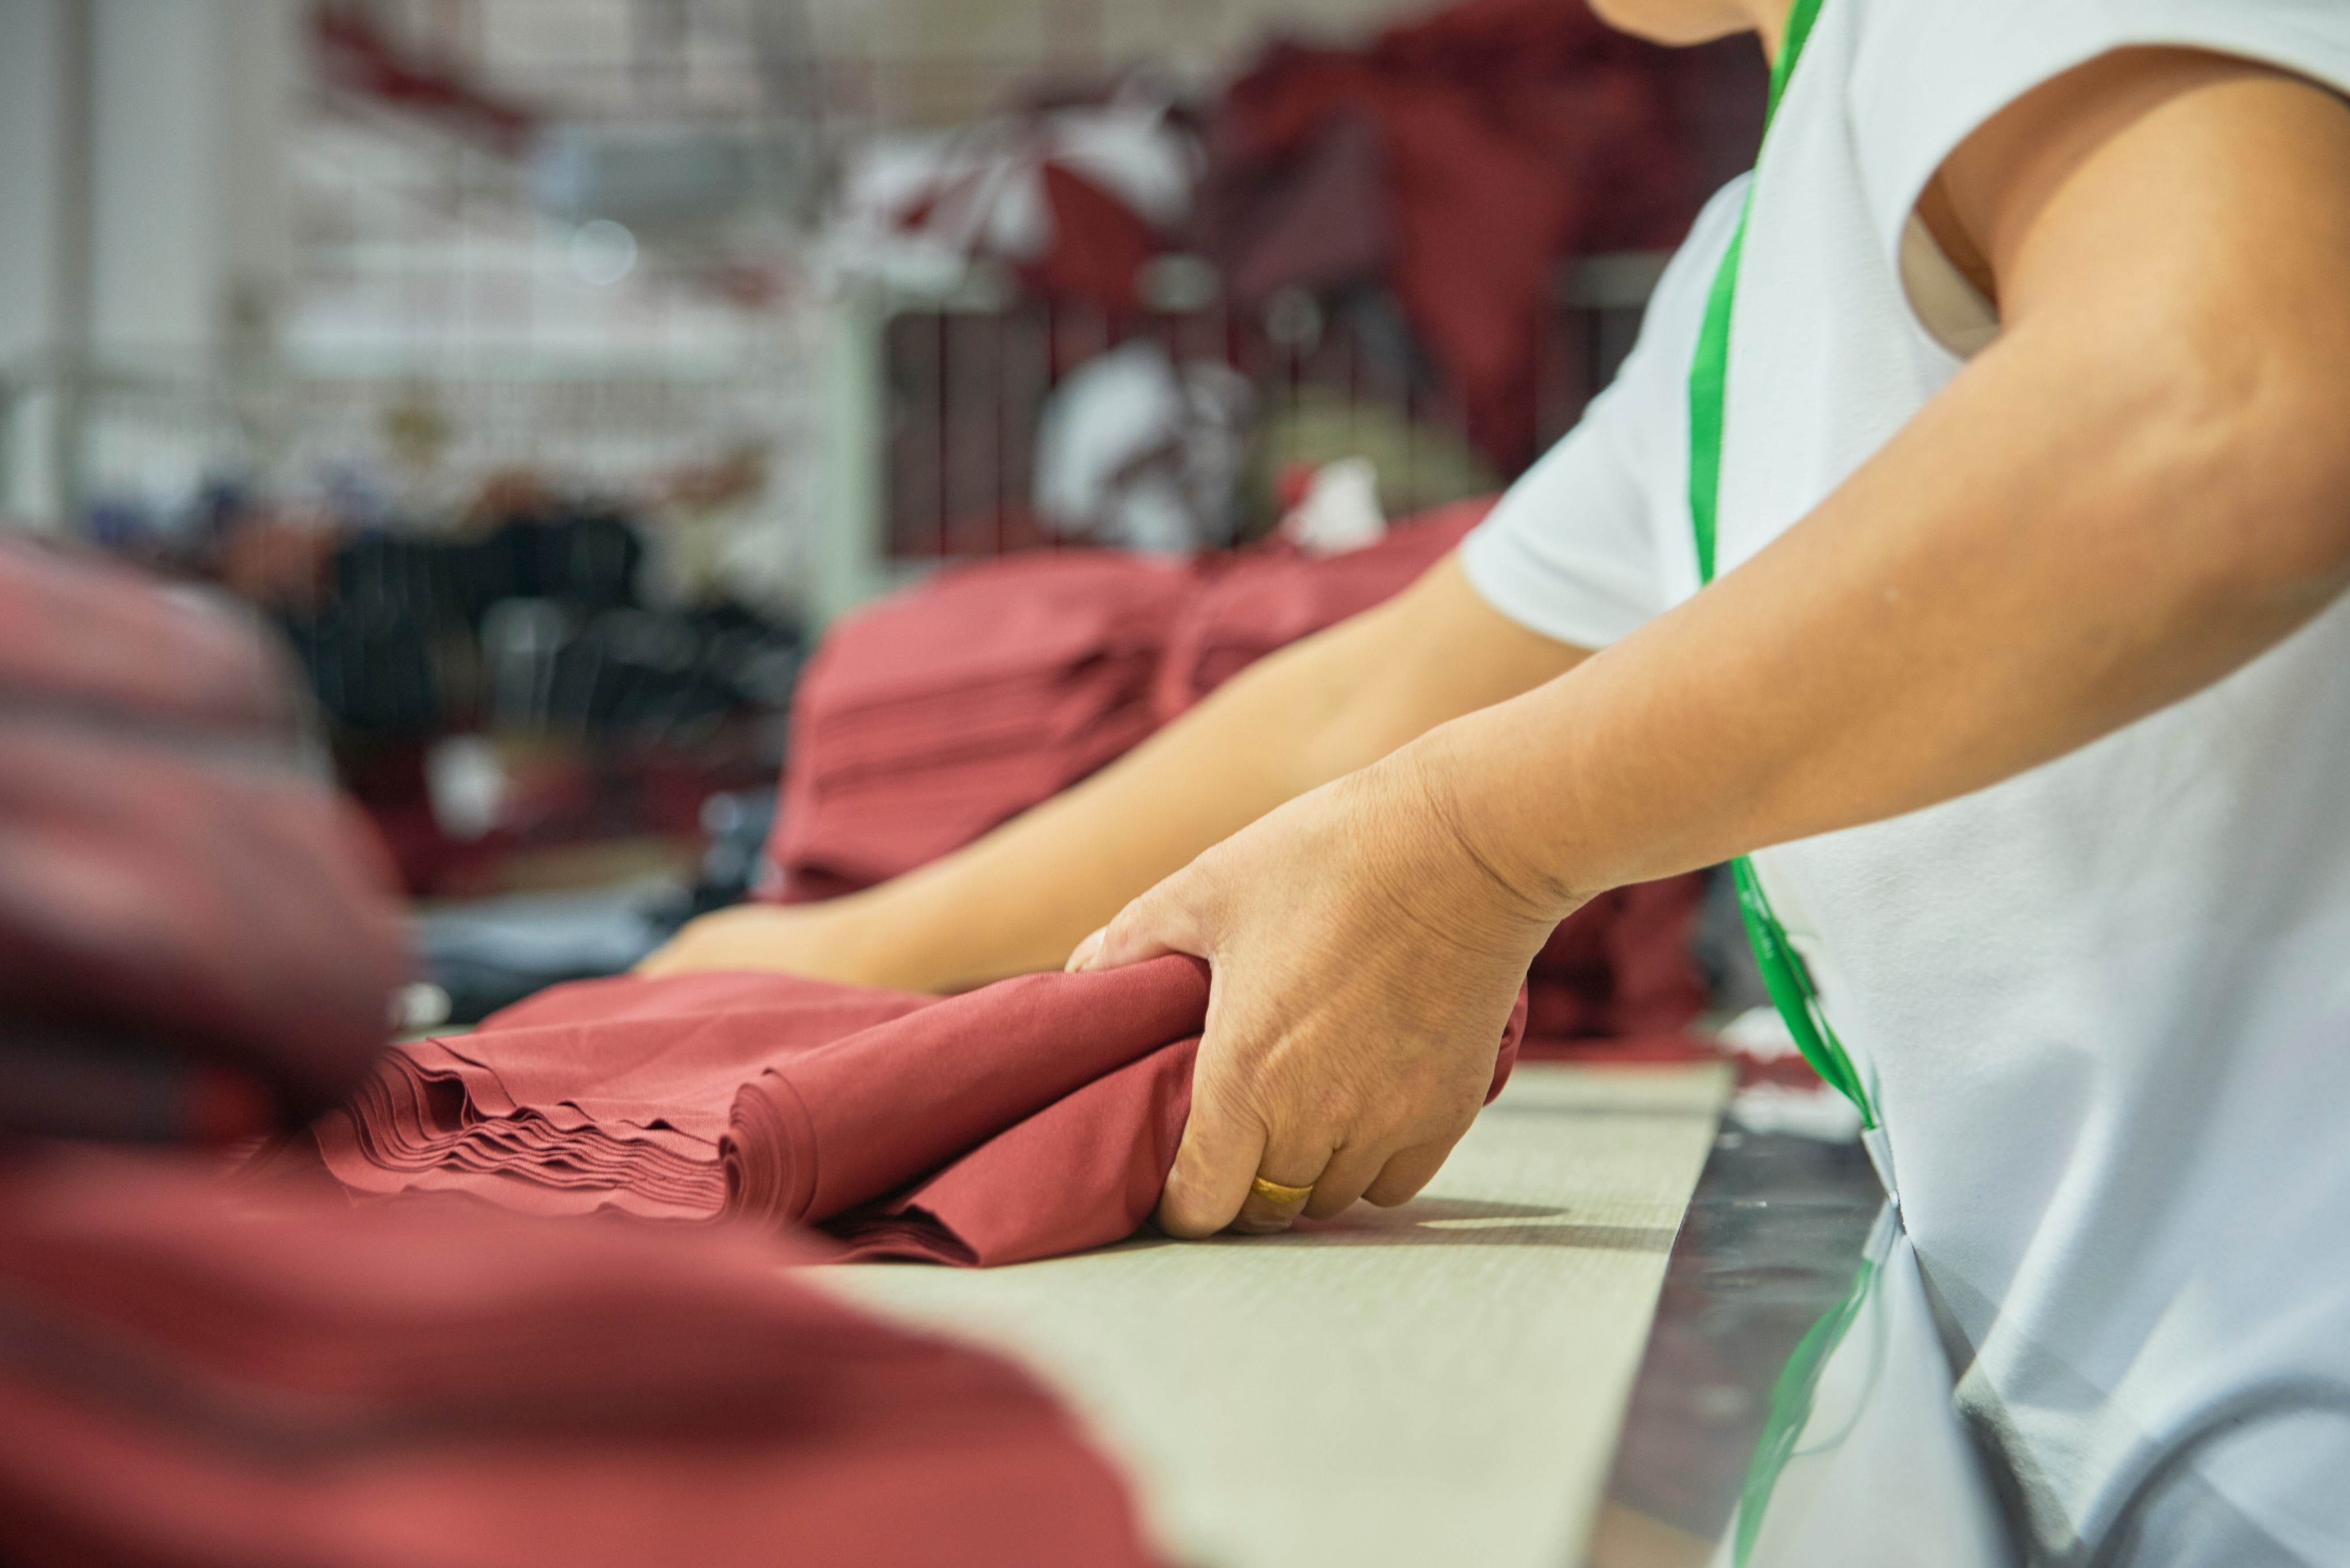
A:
[(550, 372)]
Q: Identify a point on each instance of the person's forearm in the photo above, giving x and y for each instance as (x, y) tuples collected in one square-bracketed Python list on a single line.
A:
[(1021, 897), (1980, 599), (2139, 489)]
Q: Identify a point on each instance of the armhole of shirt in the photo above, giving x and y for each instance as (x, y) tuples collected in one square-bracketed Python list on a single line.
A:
[(1945, 305), (1953, 312)]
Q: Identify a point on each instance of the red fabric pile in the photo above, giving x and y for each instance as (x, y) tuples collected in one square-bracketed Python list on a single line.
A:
[(1030, 1118), (1267, 598), (927, 718), (194, 938), (1105, 647), (941, 712), (1456, 160), (195, 943), (192, 1374)]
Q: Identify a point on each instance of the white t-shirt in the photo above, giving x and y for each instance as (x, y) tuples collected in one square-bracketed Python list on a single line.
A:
[(2103, 1009)]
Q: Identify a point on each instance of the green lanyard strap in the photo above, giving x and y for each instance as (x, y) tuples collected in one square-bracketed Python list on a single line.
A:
[(1784, 970)]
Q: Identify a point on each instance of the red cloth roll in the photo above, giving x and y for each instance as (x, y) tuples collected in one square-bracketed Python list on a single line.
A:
[(1033, 1117), (1118, 1135), (824, 1129)]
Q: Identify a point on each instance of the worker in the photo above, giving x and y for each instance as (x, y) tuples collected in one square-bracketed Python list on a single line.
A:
[(1965, 541)]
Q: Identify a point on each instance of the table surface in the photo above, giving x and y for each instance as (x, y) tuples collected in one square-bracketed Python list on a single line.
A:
[(1439, 1382)]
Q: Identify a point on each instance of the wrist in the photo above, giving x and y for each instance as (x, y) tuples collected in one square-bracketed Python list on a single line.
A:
[(1470, 800), (1437, 874)]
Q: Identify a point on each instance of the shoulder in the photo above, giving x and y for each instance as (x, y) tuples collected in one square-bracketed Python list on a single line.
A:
[(1923, 75)]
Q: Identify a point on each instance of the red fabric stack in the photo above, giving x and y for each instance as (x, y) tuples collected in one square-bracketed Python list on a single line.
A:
[(931, 717), (1267, 598), (195, 940), (938, 713), (1615, 981), (192, 1376), (1030, 1118)]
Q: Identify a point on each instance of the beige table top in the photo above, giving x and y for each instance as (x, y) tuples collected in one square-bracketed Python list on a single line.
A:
[(1436, 1384)]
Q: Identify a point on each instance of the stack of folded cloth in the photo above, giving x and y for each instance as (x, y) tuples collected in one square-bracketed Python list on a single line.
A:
[(1033, 1117), (1263, 599), (1046, 651), (931, 717), (196, 1374)]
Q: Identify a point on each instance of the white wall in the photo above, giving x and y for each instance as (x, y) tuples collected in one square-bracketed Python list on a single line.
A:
[(143, 203), (191, 102)]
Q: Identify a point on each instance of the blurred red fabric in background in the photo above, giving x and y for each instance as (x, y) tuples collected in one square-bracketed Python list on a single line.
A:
[(194, 1374), (941, 712)]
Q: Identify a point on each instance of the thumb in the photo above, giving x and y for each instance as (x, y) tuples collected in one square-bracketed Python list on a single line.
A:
[(1081, 957), (1163, 920), (1215, 1163)]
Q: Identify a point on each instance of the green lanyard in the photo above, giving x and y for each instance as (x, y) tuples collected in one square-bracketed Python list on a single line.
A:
[(1784, 973)]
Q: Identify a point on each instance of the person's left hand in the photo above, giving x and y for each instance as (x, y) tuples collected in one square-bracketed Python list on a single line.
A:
[(1365, 961)]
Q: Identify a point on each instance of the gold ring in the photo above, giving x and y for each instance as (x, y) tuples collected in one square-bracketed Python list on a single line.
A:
[(1273, 1192)]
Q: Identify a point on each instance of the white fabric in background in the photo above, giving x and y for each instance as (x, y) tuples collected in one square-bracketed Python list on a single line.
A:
[(2104, 1008)]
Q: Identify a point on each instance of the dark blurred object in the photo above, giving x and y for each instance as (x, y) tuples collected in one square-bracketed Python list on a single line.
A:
[(493, 952), (529, 635), (193, 1375), (1456, 160), (354, 54), (196, 939), (490, 953)]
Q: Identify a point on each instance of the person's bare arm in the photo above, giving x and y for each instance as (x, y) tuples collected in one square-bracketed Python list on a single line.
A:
[(2142, 487), (1018, 898)]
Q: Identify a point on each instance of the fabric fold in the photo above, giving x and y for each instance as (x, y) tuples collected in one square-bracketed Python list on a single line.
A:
[(842, 1124), (1030, 1118)]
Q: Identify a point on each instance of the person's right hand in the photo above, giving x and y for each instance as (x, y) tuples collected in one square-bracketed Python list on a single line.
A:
[(810, 940)]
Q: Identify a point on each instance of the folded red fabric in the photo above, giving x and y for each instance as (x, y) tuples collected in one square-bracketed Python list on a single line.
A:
[(933, 716), (196, 938), (1030, 1118), (194, 1376), (605, 1093), (928, 717), (1265, 599), (824, 1129)]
